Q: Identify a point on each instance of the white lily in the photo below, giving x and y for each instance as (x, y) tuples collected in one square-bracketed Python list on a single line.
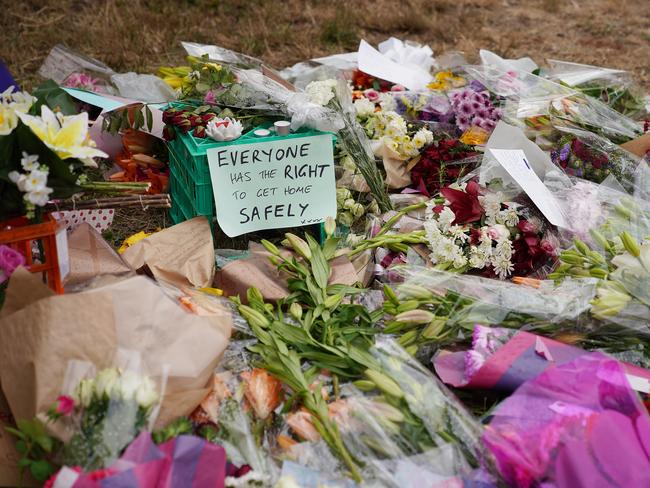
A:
[(8, 119), (67, 136)]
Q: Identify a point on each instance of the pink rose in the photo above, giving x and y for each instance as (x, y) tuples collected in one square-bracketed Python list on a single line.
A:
[(10, 259), (64, 405), (372, 95), (398, 88)]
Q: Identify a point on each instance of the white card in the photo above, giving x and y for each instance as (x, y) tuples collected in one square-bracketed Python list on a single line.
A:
[(639, 384), (62, 252), (515, 163)]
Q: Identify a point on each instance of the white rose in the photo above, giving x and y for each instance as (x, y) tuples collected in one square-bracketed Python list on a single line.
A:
[(83, 393), (128, 385), (105, 381), (147, 394)]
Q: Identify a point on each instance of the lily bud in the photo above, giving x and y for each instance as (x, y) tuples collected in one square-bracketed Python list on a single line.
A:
[(415, 317), (254, 295), (581, 246), (299, 245), (270, 247), (364, 385), (295, 310), (599, 238), (630, 244), (330, 226), (384, 383), (254, 317), (598, 273), (409, 290), (408, 306), (434, 329)]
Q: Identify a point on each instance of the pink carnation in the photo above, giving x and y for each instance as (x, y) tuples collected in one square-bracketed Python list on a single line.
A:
[(10, 259)]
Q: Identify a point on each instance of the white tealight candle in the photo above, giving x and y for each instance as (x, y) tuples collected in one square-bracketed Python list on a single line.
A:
[(262, 133), (282, 127)]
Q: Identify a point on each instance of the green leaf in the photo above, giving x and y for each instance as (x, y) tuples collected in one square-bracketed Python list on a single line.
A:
[(21, 447), (45, 441), (16, 432), (51, 94), (149, 114), (319, 265), (41, 470), (24, 462)]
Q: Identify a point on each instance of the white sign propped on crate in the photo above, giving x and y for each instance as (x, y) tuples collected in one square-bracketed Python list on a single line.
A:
[(273, 183)]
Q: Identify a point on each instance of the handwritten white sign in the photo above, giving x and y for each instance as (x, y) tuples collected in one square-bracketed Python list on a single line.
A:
[(273, 184)]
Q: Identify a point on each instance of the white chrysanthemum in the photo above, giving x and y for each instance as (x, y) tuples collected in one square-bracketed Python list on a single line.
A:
[(422, 138), (477, 258), (445, 218), (503, 249), (492, 205), (502, 267), (460, 261), (364, 107), (508, 217)]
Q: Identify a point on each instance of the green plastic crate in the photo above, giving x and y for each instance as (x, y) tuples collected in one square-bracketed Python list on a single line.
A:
[(198, 192)]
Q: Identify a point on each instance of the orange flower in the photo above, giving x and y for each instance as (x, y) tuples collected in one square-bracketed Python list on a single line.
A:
[(300, 423), (285, 442), (263, 391), (208, 410), (474, 136)]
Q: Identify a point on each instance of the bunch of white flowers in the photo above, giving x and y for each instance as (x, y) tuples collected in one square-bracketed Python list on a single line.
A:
[(392, 130), (452, 248), (348, 209), (33, 183), (321, 92), (117, 385), (10, 103)]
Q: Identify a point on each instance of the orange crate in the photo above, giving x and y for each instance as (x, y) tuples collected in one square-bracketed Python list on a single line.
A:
[(20, 235)]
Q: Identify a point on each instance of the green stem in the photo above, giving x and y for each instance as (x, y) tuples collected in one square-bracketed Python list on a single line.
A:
[(395, 218)]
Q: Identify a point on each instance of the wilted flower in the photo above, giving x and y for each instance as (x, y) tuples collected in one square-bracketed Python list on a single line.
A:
[(263, 391), (300, 423)]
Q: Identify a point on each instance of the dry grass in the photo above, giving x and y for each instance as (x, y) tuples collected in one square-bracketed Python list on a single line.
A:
[(141, 35)]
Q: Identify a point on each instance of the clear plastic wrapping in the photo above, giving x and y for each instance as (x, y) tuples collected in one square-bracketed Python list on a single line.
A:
[(614, 87)]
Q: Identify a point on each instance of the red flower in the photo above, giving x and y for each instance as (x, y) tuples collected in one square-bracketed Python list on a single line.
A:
[(464, 204), (64, 405)]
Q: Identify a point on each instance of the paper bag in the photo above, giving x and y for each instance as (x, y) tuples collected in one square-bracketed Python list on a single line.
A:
[(90, 256), (182, 254), (238, 276), (134, 313)]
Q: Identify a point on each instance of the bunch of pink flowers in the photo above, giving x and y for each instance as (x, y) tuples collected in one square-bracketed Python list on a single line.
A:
[(474, 109)]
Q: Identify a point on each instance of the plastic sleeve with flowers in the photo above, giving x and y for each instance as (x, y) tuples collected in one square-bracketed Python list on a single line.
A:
[(411, 431), (105, 409), (429, 306), (240, 415), (614, 87)]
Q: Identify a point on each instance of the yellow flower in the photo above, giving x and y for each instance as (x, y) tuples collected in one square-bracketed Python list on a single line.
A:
[(213, 66), (474, 136), (67, 136)]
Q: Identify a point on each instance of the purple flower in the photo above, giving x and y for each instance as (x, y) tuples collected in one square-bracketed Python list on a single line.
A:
[(488, 125), (478, 121), (462, 122), (209, 97), (565, 151), (476, 86), (465, 109)]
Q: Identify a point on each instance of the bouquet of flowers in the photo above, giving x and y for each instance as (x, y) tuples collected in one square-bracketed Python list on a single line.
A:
[(42, 153), (588, 156), (443, 163), (99, 419), (469, 229)]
